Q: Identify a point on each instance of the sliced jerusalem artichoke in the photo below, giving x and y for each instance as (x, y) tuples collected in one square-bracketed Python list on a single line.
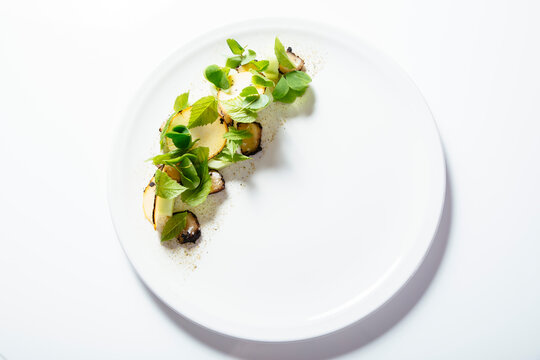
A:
[(251, 145), (192, 231), (218, 183), (296, 60), (239, 81), (149, 198), (210, 135)]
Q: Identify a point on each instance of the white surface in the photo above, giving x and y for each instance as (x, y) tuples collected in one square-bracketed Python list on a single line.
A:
[(67, 290), (296, 254)]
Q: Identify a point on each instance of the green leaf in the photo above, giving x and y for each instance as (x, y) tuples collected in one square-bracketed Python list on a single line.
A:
[(162, 158), (261, 65), (282, 56), (181, 102), (235, 134), (190, 178), (281, 89), (174, 226), (203, 112), (237, 110), (249, 57), (250, 93), (194, 197), (217, 76), (180, 137), (260, 80), (166, 187), (235, 47), (298, 80), (257, 104), (229, 155), (197, 196), (234, 61)]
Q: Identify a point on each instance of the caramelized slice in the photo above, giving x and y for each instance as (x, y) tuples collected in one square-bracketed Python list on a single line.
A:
[(296, 60), (251, 145), (149, 199), (171, 171), (218, 183), (192, 231)]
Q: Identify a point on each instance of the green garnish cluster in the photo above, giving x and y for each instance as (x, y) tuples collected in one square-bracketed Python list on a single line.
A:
[(191, 161)]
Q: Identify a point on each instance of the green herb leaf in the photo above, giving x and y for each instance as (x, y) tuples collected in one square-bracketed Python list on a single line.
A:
[(217, 76), (250, 93), (235, 134), (282, 56), (261, 65), (298, 80), (238, 111), (281, 89), (203, 112), (258, 104), (190, 178), (194, 197), (234, 61), (180, 137), (174, 226), (229, 155), (235, 47), (166, 187), (249, 57), (260, 80), (181, 102)]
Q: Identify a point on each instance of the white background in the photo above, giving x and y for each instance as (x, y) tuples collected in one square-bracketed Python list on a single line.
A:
[(67, 73)]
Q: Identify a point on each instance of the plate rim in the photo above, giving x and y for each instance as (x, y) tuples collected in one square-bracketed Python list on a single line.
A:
[(286, 23)]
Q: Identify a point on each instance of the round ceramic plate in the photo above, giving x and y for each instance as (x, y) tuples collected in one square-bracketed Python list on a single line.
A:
[(321, 227)]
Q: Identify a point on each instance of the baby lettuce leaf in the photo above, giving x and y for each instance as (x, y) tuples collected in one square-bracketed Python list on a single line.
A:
[(261, 80), (166, 187), (298, 80), (282, 56), (234, 61), (190, 178), (174, 226), (281, 89), (235, 47), (181, 102), (235, 134), (198, 195), (203, 112), (180, 136), (246, 59), (217, 76)]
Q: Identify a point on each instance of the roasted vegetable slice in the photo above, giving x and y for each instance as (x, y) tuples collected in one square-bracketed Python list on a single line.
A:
[(218, 183), (239, 81), (296, 60), (192, 231), (210, 135), (251, 145), (149, 199), (163, 209)]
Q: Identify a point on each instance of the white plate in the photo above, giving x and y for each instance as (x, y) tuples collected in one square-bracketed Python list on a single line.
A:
[(337, 215)]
